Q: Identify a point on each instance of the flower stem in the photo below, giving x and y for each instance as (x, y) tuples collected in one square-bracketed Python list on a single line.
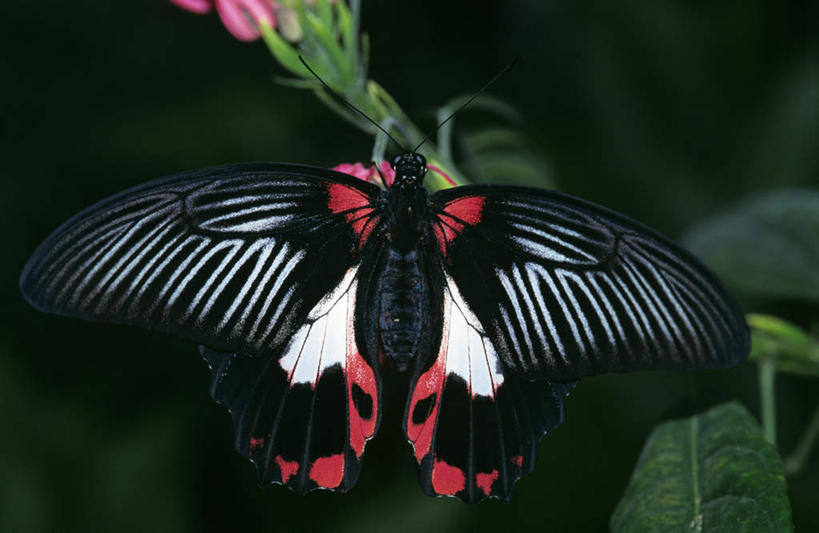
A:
[(795, 461), (767, 396)]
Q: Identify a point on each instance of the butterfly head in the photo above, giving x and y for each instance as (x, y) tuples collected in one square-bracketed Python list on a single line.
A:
[(409, 167)]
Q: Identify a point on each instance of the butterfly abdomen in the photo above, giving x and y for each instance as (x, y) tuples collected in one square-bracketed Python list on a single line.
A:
[(402, 293)]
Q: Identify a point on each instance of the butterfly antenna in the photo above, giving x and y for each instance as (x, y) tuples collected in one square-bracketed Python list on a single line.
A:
[(463, 105), (350, 104)]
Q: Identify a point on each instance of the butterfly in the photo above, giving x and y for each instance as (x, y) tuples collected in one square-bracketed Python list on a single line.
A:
[(302, 284)]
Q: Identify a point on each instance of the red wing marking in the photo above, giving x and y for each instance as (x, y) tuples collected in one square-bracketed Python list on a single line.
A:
[(485, 481), (345, 198), (288, 469), (256, 443), (360, 373), (517, 460), (328, 472), (356, 208), (447, 479), (343, 392), (455, 216), (429, 383), (364, 225), (468, 210)]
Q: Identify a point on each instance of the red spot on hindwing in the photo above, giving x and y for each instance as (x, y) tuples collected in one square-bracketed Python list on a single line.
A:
[(256, 443), (288, 469), (517, 460), (485, 481), (447, 479), (430, 382), (360, 373), (328, 472), (457, 215), (355, 206)]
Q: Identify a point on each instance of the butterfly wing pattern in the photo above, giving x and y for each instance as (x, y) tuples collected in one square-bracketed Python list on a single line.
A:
[(542, 289), (304, 419), (568, 289), (474, 426), (258, 263)]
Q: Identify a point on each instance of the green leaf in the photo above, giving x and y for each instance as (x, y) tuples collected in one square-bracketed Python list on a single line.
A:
[(766, 246), (345, 26), (788, 346), (285, 54), (324, 10), (502, 155), (712, 472), (338, 60)]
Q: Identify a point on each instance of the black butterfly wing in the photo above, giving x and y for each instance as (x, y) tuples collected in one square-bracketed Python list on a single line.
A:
[(566, 288), (258, 260), (541, 289)]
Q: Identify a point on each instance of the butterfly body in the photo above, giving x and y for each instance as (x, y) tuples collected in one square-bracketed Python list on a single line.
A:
[(403, 305), (293, 279)]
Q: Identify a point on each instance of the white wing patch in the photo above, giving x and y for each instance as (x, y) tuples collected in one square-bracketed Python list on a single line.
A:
[(323, 340), (469, 352)]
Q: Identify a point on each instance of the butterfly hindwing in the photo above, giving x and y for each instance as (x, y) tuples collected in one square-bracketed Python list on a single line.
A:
[(304, 417), (565, 288), (473, 426)]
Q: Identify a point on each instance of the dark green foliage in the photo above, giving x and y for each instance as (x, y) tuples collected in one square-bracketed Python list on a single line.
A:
[(767, 246), (711, 472)]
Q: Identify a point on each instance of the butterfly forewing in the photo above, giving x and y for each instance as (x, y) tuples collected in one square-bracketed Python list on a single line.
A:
[(565, 288), (221, 256)]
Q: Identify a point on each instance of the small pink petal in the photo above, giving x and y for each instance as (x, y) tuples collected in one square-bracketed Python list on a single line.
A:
[(199, 7), (242, 17), (369, 173), (387, 172), (443, 175), (357, 170)]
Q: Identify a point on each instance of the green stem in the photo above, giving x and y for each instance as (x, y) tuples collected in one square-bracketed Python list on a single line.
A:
[(767, 375), (795, 461)]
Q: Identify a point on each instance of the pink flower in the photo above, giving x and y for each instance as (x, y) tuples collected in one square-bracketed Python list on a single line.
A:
[(369, 173), (242, 18)]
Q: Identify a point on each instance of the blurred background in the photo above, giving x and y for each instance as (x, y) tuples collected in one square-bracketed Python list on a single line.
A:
[(671, 113)]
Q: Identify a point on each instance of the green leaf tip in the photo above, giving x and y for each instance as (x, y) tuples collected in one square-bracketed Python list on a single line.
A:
[(790, 348), (711, 472)]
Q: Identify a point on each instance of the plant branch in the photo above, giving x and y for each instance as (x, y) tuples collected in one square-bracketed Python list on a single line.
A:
[(767, 397), (796, 461)]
